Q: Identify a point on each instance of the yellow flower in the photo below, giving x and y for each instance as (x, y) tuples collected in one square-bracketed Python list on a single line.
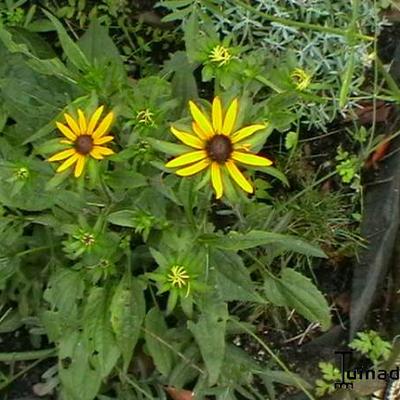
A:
[(220, 54), (145, 117), (85, 137), (179, 278), (300, 78), (217, 146)]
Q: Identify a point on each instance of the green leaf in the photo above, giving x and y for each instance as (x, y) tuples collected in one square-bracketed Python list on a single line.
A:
[(99, 48), (233, 279), (237, 241), (347, 78), (155, 335), (184, 84), (63, 291), (98, 332), (71, 49), (273, 292), (48, 66), (8, 267), (275, 173), (301, 294), (172, 149), (128, 310), (123, 218), (79, 380), (209, 333)]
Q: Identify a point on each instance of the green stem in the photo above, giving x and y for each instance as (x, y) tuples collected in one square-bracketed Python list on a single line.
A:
[(30, 251), (304, 25), (20, 373), (138, 388), (268, 83), (27, 355), (275, 357)]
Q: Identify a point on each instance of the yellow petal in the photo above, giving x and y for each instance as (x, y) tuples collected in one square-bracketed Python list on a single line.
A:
[(79, 166), (187, 158), (67, 163), (94, 119), (187, 138), (251, 159), (193, 169), (246, 131), (64, 141), (200, 133), (200, 119), (217, 114), (238, 177), (62, 155), (96, 153), (103, 126), (82, 122), (72, 124), (104, 151), (103, 140), (216, 180), (66, 131), (230, 118)]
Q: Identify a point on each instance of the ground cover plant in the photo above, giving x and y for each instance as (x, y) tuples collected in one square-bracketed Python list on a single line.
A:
[(181, 182)]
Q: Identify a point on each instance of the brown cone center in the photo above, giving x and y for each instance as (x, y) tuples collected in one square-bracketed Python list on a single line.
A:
[(219, 148), (84, 144)]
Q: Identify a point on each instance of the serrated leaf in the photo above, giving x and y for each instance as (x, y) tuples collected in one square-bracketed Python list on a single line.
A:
[(233, 279), (155, 335), (301, 294), (128, 310), (238, 241), (64, 289), (98, 332), (209, 333), (273, 293)]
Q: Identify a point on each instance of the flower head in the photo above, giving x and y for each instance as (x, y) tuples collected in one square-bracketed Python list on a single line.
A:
[(178, 277), (22, 173), (85, 138), (220, 54), (145, 117), (217, 146), (300, 78)]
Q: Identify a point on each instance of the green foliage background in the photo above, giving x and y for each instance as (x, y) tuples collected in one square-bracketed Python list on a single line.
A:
[(113, 326)]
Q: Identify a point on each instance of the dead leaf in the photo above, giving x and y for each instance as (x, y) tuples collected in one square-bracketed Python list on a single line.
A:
[(378, 154), (179, 394), (365, 114)]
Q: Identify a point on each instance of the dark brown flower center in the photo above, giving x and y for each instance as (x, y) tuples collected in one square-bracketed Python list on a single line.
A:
[(84, 144), (219, 148)]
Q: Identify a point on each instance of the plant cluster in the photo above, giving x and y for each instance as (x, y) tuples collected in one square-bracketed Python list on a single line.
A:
[(135, 213)]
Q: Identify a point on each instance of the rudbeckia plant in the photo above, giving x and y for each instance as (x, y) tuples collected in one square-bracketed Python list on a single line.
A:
[(125, 266), (218, 145)]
